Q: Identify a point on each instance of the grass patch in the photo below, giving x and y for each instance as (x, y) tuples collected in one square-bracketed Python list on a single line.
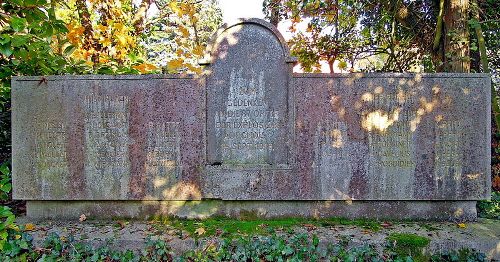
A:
[(411, 245), (249, 225), (226, 227), (410, 240)]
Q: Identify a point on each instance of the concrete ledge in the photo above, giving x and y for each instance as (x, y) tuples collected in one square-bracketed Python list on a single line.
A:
[(397, 210)]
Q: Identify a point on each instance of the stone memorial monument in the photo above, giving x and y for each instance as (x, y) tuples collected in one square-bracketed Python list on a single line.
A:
[(251, 137)]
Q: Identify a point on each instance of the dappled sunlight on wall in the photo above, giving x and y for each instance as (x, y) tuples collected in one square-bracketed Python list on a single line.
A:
[(379, 120)]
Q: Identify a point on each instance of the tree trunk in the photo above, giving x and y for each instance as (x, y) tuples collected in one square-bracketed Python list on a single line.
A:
[(484, 64), (330, 65), (140, 15), (275, 13), (438, 46), (89, 41), (456, 36), (336, 21)]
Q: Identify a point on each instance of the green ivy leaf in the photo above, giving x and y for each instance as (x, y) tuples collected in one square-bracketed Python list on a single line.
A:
[(4, 168), (4, 39), (46, 29), (17, 23), (60, 27), (19, 40), (69, 50), (5, 50), (35, 15), (23, 245), (6, 188), (21, 53)]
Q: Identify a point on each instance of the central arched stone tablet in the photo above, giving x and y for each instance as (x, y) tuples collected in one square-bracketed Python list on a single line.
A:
[(248, 99)]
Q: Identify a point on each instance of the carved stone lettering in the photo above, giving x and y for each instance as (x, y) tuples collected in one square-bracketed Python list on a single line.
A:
[(107, 143), (332, 162), (391, 143), (163, 157), (249, 99), (448, 156), (248, 127), (51, 157)]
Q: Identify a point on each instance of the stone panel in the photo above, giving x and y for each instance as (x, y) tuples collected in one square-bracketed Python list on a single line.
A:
[(108, 138), (393, 136), (248, 111)]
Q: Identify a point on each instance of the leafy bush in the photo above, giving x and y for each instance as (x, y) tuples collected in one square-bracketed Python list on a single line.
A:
[(490, 208), (5, 181), (157, 250), (261, 248), (460, 255), (14, 243), (6, 225), (299, 247)]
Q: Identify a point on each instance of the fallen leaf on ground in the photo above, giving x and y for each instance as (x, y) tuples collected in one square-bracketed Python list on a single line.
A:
[(121, 224), (200, 231), (310, 227), (461, 225), (29, 227), (82, 218)]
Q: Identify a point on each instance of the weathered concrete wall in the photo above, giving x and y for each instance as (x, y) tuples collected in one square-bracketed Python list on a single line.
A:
[(249, 129)]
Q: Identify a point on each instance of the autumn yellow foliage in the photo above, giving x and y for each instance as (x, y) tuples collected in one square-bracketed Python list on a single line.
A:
[(112, 35), (145, 68), (102, 33)]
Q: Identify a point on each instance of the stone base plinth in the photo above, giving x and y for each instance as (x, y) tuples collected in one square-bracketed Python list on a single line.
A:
[(396, 210)]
